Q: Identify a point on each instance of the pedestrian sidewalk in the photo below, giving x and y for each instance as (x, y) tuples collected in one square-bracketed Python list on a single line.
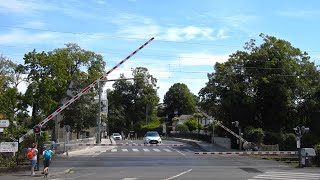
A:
[(90, 150), (24, 175), (204, 146)]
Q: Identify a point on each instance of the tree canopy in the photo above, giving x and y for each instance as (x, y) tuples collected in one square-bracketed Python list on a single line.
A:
[(179, 99), (266, 85)]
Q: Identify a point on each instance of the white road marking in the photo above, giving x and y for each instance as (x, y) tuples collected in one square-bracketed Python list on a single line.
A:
[(129, 178), (114, 150), (135, 150), (156, 150), (282, 175), (178, 174), (176, 151), (124, 150), (168, 150), (146, 150), (81, 176)]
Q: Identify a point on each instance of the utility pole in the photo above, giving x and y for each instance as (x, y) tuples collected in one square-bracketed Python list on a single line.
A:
[(98, 140), (146, 113), (236, 124)]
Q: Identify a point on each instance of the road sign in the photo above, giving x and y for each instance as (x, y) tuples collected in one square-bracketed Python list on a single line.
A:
[(4, 123), (9, 147), (1, 130)]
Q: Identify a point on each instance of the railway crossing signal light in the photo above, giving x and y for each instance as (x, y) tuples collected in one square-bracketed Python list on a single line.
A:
[(37, 129)]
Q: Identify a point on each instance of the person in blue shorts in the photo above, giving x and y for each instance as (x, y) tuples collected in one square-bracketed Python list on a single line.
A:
[(47, 156)]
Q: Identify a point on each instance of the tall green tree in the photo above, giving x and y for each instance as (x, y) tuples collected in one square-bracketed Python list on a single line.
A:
[(262, 86), (51, 73), (179, 99), (11, 100), (132, 103)]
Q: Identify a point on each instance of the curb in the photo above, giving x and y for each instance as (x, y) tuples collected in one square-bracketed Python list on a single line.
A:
[(15, 169)]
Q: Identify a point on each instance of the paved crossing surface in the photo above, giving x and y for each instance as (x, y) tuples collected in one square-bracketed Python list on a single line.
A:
[(286, 175), (148, 150), (164, 163)]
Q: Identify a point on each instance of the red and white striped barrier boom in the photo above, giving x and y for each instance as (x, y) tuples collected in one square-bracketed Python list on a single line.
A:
[(122, 144), (225, 128), (51, 116), (249, 153)]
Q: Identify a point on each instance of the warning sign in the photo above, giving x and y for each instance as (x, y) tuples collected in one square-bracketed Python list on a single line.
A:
[(9, 147)]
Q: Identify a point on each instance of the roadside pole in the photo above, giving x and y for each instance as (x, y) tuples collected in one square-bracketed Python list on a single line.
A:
[(98, 140)]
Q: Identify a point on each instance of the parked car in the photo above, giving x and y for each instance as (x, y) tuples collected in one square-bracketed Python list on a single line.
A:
[(116, 136), (152, 137)]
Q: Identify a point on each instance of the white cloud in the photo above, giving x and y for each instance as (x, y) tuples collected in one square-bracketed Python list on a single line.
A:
[(101, 2), (298, 13), (36, 24), (239, 20), (19, 36), (200, 59), (19, 6), (186, 33)]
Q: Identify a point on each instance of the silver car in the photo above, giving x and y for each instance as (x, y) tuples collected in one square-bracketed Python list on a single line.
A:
[(116, 136), (152, 137)]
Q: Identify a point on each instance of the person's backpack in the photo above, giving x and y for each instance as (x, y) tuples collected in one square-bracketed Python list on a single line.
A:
[(47, 155), (30, 154)]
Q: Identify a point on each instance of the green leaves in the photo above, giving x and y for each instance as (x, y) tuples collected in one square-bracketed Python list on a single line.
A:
[(179, 99), (133, 102), (263, 86)]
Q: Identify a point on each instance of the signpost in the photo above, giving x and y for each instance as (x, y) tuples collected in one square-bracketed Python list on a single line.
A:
[(4, 123), (9, 147)]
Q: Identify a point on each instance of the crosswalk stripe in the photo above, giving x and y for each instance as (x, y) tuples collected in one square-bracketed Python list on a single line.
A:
[(114, 150), (146, 150), (124, 150), (157, 150), (135, 150), (286, 176), (168, 150)]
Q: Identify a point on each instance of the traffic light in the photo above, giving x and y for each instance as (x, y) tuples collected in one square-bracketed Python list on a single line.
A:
[(37, 129)]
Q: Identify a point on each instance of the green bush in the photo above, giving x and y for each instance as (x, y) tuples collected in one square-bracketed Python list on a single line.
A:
[(192, 124), (255, 135), (288, 142), (272, 138), (182, 128)]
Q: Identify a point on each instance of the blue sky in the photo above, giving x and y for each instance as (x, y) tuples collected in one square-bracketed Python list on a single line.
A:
[(190, 35)]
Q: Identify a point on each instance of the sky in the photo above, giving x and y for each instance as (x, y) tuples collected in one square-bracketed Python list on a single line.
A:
[(190, 35)]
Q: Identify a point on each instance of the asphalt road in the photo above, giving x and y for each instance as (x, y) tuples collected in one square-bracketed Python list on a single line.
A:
[(166, 162)]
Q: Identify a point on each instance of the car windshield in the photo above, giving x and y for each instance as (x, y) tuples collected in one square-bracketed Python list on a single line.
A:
[(152, 134), (116, 134)]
